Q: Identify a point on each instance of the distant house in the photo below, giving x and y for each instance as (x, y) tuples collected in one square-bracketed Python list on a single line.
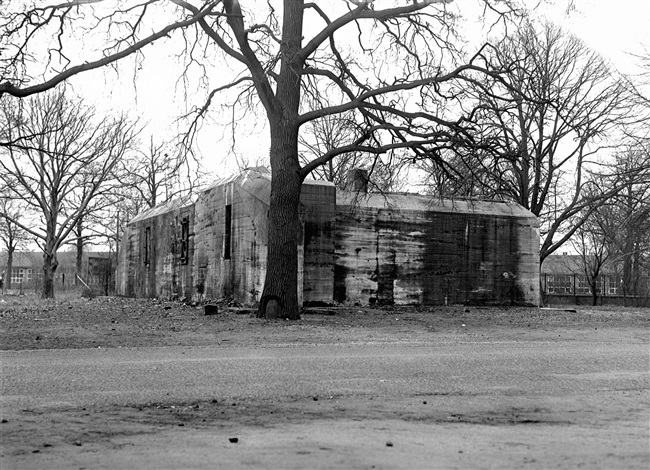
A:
[(98, 270), (353, 248), (25, 268), (564, 281)]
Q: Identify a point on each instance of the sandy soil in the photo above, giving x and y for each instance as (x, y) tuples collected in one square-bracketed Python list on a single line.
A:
[(346, 431), (32, 323)]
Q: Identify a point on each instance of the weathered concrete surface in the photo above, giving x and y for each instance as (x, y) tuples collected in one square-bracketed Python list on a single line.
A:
[(156, 252), (319, 202), (227, 243), (408, 249), (353, 248)]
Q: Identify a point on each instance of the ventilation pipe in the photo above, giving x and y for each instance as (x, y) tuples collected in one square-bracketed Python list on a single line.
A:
[(358, 180)]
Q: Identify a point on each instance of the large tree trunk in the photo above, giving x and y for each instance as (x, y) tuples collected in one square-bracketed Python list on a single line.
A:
[(628, 286), (50, 264), (80, 250), (8, 269), (280, 295)]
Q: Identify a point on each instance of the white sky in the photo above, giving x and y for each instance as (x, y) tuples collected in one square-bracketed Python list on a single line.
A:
[(614, 28)]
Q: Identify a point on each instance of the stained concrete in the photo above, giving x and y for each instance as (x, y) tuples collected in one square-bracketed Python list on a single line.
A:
[(353, 247)]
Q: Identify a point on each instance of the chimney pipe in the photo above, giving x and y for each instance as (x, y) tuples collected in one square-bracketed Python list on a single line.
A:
[(358, 180)]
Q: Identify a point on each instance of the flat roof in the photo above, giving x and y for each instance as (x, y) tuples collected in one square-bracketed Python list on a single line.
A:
[(418, 202)]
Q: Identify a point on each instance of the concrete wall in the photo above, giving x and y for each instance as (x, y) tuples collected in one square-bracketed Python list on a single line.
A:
[(167, 270), (240, 272), (213, 271), (319, 204), (376, 249), (406, 249)]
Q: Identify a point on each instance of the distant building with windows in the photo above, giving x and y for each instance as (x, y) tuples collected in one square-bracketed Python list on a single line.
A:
[(98, 271), (564, 281), (25, 269)]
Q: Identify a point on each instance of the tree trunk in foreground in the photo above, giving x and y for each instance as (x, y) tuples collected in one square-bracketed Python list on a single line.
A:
[(50, 264), (79, 254), (280, 295), (8, 269)]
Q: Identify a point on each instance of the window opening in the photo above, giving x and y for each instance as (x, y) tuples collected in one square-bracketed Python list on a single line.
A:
[(147, 245), (227, 230), (19, 275), (185, 239)]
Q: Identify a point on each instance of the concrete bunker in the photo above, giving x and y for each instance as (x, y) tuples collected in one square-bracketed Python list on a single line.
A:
[(354, 247)]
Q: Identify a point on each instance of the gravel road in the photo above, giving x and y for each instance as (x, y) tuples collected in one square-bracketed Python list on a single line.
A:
[(405, 389)]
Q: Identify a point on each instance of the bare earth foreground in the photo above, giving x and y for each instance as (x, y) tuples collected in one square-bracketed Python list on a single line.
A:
[(122, 383)]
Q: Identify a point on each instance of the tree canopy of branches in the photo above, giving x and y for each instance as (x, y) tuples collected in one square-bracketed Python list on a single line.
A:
[(152, 174), (323, 135), (547, 122), (391, 65), (57, 157)]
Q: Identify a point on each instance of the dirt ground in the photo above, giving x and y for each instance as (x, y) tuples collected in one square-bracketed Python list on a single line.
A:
[(27, 322), (107, 433)]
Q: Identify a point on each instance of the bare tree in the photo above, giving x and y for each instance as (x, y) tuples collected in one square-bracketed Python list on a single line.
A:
[(392, 66), (57, 157), (627, 226), (153, 174), (12, 236), (560, 109), (461, 173), (322, 135), (593, 246)]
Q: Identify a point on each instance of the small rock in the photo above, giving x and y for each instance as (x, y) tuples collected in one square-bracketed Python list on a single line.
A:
[(4, 421), (424, 402), (38, 338), (77, 443), (47, 445), (168, 307), (315, 398), (389, 444), (234, 440)]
